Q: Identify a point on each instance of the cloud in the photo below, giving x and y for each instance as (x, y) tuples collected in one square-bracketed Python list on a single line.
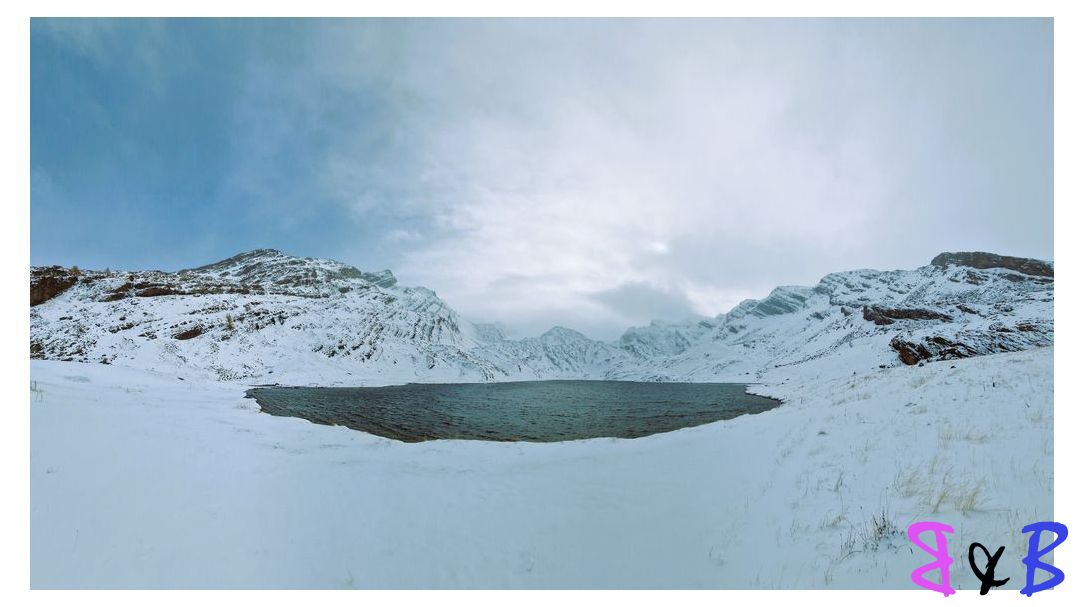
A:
[(635, 301), (588, 159), (597, 173)]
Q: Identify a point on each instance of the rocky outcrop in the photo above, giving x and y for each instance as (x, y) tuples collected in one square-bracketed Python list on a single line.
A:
[(967, 343), (928, 348), (384, 278), (885, 316), (984, 261), (189, 333), (48, 282)]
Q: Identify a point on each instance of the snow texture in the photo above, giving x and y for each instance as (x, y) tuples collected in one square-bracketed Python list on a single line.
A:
[(908, 395), (140, 479)]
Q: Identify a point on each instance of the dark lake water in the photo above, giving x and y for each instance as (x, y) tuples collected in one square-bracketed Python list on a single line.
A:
[(538, 411)]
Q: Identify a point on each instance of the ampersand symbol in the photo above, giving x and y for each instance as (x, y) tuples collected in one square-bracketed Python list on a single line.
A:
[(987, 578)]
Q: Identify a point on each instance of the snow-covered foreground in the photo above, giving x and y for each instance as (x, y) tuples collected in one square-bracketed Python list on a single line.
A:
[(140, 479)]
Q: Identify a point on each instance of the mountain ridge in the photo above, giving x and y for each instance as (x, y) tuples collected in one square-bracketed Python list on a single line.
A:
[(265, 316)]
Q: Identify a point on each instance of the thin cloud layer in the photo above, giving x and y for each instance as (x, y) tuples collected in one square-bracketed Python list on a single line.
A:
[(598, 174)]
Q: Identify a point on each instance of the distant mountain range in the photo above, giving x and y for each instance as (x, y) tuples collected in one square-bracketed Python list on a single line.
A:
[(267, 317)]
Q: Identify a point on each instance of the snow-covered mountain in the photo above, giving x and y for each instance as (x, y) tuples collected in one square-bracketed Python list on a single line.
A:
[(961, 305), (266, 317)]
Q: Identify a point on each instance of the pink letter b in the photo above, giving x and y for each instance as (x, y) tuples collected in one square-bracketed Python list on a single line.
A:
[(942, 560)]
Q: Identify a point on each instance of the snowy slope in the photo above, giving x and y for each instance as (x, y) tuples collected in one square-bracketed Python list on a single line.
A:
[(859, 320), (262, 316), (154, 471), (266, 317), (140, 479)]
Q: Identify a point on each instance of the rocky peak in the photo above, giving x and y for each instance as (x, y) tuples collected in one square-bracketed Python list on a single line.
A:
[(383, 279), (562, 334), (240, 259), (269, 267), (984, 261)]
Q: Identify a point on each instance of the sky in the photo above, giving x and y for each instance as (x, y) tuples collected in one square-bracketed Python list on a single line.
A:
[(594, 174)]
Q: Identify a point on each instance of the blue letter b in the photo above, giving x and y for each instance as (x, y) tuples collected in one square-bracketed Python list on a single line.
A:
[(1032, 561)]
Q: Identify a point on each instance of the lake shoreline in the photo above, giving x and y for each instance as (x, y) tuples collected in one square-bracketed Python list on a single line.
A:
[(527, 411)]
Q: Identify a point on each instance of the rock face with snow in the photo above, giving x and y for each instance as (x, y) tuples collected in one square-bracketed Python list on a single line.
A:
[(47, 283), (266, 317), (260, 315), (984, 261), (959, 306)]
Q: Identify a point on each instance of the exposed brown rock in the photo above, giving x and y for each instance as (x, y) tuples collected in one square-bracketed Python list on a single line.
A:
[(885, 316), (913, 349), (157, 291), (123, 327), (983, 261), (931, 347), (190, 333), (908, 352), (46, 283)]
